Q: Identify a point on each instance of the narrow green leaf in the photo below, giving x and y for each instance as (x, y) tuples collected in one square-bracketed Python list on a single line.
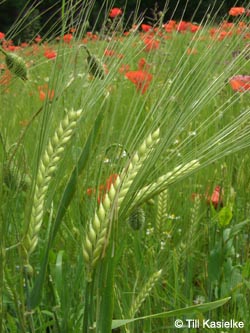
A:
[(234, 230), (180, 312), (106, 294), (215, 260), (71, 185), (59, 272)]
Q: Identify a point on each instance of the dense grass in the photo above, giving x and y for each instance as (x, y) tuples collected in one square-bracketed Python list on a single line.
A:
[(161, 244)]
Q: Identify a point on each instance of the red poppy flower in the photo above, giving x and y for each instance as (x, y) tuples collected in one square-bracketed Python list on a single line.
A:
[(92, 36), (2, 35), (44, 93), (111, 181), (236, 11), (182, 26), (247, 36), (240, 82), (67, 38), (216, 197), (193, 28), (227, 25), (146, 27), (222, 35), (140, 78), (151, 44), (109, 53), (12, 48), (168, 27), (115, 12), (24, 44), (50, 54), (90, 191), (142, 64), (103, 189), (242, 25), (124, 68), (38, 39)]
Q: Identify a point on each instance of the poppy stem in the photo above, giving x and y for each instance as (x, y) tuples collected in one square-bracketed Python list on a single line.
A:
[(5, 53), (22, 136), (86, 49), (3, 144)]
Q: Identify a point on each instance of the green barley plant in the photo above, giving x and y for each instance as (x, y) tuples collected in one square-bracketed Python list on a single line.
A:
[(140, 298), (112, 224), (162, 205), (47, 167)]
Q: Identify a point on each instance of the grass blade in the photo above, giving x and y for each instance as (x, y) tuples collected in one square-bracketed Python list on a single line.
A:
[(184, 311)]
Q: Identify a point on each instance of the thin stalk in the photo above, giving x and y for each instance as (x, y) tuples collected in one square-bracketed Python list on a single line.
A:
[(85, 326), (19, 307), (22, 135), (2, 259), (105, 295), (3, 144), (1, 50)]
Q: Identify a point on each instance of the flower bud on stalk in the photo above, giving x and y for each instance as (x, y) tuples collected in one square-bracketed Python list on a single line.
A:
[(95, 66), (16, 65), (136, 219)]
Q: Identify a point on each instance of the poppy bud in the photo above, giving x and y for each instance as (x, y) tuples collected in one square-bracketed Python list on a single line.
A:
[(136, 219), (95, 67), (216, 197), (16, 65), (28, 270)]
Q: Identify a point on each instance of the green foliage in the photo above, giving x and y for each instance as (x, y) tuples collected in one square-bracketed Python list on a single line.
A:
[(225, 216), (129, 235), (195, 309)]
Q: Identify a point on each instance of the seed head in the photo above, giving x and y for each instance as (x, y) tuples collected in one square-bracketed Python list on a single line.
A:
[(16, 65), (94, 65), (136, 219)]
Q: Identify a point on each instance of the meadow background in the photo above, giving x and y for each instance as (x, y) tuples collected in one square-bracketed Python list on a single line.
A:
[(125, 184)]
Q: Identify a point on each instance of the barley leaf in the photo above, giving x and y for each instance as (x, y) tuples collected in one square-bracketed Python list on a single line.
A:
[(180, 312)]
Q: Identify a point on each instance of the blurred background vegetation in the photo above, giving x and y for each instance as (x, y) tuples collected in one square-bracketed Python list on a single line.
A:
[(39, 21)]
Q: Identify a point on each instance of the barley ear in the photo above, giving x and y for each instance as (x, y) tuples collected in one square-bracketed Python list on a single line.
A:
[(144, 293), (130, 172), (97, 230), (161, 211), (162, 183), (194, 222), (47, 167)]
